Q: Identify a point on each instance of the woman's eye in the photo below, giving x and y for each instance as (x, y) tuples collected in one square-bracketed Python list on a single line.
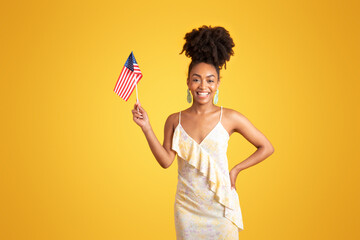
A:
[(210, 80), (195, 80)]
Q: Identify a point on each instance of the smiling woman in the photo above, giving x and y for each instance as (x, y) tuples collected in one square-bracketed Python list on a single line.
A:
[(206, 201)]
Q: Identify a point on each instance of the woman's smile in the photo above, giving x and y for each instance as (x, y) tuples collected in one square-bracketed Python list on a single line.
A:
[(202, 94)]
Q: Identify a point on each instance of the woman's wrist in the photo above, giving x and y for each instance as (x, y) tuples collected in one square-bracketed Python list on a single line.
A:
[(236, 169), (146, 129)]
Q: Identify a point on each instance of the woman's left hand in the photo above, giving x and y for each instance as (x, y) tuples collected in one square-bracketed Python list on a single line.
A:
[(233, 175)]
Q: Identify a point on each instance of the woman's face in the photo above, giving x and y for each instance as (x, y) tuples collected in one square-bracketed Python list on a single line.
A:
[(203, 82)]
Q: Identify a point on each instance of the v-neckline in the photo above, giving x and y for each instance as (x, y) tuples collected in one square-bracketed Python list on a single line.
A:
[(203, 138)]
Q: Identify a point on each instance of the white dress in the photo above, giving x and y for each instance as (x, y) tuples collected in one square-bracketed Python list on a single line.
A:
[(205, 206)]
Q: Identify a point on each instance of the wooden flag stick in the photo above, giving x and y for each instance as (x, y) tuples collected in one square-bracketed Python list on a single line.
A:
[(137, 98)]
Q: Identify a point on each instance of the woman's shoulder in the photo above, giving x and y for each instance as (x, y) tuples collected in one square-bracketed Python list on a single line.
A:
[(176, 114), (232, 114), (233, 120), (173, 116), (173, 119)]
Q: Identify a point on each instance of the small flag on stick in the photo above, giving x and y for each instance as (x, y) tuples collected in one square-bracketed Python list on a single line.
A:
[(129, 77)]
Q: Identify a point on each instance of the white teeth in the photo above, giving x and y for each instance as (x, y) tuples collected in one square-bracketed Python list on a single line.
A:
[(203, 94)]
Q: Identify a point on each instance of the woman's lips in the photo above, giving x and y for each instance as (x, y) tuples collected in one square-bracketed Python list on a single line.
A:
[(203, 94)]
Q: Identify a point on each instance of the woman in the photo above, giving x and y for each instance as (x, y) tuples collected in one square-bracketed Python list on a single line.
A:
[(206, 202)]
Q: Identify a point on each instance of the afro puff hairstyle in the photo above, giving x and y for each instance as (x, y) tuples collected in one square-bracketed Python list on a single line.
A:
[(212, 45)]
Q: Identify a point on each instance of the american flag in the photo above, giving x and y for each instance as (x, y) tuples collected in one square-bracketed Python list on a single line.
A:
[(130, 75)]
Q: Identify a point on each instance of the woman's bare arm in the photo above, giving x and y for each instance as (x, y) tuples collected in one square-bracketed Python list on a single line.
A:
[(163, 154), (243, 126)]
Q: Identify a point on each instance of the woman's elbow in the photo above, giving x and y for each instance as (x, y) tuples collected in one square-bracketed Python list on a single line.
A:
[(167, 164), (270, 150)]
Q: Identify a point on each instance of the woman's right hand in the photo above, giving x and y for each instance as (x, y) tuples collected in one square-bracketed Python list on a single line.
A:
[(140, 117)]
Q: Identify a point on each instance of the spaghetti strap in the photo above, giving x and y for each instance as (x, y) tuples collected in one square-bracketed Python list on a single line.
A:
[(220, 113), (179, 116)]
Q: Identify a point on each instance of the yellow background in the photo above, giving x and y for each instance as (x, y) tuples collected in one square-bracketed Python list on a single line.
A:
[(74, 165)]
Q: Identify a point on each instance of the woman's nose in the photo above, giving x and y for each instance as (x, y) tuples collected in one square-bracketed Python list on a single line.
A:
[(203, 83)]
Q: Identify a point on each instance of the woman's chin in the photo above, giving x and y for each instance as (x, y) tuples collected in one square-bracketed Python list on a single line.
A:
[(202, 101)]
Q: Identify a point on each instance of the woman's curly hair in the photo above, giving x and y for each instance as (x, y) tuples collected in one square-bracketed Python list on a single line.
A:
[(208, 44)]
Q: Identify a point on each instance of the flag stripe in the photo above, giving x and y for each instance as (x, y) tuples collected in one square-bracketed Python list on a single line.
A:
[(131, 89), (137, 79), (118, 84), (129, 86), (126, 84), (123, 79), (140, 76), (130, 92)]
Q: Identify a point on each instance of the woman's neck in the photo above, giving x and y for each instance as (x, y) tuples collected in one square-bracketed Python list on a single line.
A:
[(202, 108)]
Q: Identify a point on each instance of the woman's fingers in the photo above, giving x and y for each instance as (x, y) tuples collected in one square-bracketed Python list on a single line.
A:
[(139, 107), (136, 109), (137, 114), (141, 110), (137, 104)]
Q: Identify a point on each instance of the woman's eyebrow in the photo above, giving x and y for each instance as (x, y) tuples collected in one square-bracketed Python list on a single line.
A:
[(210, 75), (196, 75)]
